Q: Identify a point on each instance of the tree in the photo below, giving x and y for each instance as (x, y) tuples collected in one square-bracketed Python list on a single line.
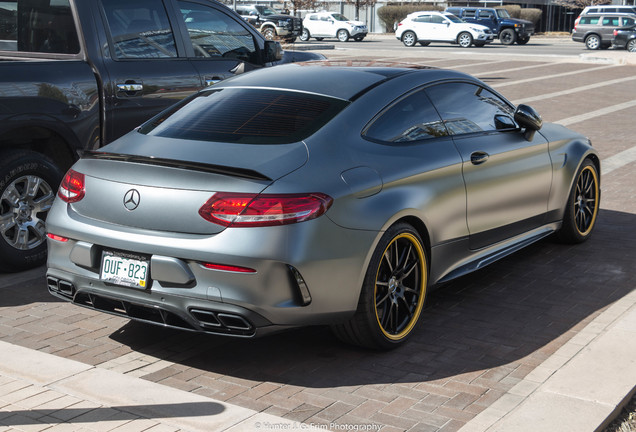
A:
[(580, 4), (360, 3)]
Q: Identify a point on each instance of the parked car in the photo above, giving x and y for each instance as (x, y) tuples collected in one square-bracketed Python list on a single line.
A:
[(426, 27), (271, 23), (625, 38), (329, 25), (597, 31), (314, 194), (509, 30), (86, 72)]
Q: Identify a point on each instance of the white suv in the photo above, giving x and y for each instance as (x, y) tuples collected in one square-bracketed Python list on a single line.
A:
[(426, 27), (328, 24)]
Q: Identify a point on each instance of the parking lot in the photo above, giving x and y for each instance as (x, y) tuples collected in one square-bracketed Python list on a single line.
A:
[(480, 335)]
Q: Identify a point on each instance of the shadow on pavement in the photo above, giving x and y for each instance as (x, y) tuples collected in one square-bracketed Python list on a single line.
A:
[(515, 312)]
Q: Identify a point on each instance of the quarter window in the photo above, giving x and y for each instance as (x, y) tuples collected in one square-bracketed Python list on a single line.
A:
[(411, 119), (468, 108), (215, 34), (39, 27), (139, 29)]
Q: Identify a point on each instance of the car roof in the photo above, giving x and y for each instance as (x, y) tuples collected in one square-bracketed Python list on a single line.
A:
[(339, 79)]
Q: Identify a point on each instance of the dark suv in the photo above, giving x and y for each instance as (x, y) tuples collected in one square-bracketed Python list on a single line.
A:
[(597, 31), (271, 23), (509, 30)]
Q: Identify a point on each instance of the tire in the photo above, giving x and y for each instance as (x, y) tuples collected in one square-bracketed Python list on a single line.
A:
[(507, 36), (424, 43), (358, 38), (464, 39), (523, 40), (479, 44), (582, 207), (409, 39), (593, 42), (269, 33), (393, 292), (28, 185), (304, 36), (342, 35), (631, 45), (319, 39)]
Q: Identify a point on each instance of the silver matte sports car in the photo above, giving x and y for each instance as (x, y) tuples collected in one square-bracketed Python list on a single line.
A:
[(314, 194)]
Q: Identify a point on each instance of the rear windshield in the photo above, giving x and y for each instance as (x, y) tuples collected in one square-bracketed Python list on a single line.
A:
[(246, 116)]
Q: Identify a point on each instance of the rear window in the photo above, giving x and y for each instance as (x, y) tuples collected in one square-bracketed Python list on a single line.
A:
[(38, 26), (246, 116)]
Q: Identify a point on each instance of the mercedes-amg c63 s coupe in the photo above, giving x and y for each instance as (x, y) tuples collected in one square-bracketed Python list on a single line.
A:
[(314, 194)]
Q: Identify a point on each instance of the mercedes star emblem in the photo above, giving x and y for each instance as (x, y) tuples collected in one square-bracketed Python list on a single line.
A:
[(131, 199)]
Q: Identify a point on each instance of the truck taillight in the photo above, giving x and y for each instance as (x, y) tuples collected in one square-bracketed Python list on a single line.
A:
[(72, 188), (253, 210)]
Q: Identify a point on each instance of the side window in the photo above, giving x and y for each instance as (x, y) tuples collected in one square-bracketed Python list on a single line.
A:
[(38, 27), (468, 108), (411, 119), (436, 19), (469, 13), (629, 21), (486, 15), (610, 21), (313, 18), (139, 29), (423, 19), (215, 34)]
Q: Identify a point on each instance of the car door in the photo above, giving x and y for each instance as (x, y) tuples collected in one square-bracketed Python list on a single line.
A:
[(486, 18), (145, 63), (440, 29), (608, 24), (423, 27), (507, 177), (218, 44)]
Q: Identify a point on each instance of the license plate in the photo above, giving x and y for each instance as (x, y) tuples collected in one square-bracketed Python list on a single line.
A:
[(124, 269)]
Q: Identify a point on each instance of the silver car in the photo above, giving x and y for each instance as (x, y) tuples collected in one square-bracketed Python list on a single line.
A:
[(314, 194)]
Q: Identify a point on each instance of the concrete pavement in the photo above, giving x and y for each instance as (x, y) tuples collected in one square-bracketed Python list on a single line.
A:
[(580, 387)]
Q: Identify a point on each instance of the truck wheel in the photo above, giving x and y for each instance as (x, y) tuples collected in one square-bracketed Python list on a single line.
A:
[(28, 184), (409, 39), (269, 33), (523, 40), (464, 39), (631, 45), (593, 42), (342, 35), (304, 36), (507, 36)]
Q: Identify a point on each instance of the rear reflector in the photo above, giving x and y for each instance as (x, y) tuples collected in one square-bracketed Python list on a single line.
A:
[(228, 268), (72, 187), (251, 210), (57, 237)]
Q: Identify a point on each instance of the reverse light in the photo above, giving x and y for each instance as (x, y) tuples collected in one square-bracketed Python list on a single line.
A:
[(72, 188), (252, 210), (57, 237)]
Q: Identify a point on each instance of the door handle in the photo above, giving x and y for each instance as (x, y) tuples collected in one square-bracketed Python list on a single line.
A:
[(132, 87), (478, 158), (211, 81)]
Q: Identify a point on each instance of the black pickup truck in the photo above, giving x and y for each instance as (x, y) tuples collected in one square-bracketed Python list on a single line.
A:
[(77, 74)]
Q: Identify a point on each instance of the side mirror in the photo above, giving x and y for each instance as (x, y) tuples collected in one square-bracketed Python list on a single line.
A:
[(528, 118), (273, 51)]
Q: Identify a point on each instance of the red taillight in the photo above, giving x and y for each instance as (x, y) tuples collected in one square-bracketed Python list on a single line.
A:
[(229, 268), (57, 237), (72, 187), (251, 210), (615, 32)]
